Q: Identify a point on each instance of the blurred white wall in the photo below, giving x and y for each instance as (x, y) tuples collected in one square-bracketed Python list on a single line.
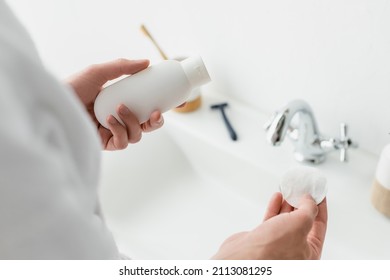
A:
[(333, 53)]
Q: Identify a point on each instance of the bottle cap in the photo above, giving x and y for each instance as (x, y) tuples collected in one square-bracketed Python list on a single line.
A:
[(195, 71)]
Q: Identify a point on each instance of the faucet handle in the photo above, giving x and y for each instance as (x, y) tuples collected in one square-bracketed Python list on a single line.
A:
[(345, 142)]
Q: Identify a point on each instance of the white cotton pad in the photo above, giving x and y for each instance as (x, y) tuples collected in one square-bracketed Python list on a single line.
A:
[(303, 180)]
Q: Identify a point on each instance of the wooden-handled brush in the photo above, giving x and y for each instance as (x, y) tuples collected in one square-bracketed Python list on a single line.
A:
[(147, 34)]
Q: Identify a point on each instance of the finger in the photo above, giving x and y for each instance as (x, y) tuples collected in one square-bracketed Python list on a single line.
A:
[(133, 129), (305, 214), (103, 72), (286, 208), (322, 215), (320, 223), (155, 122), (118, 141), (274, 206), (309, 206), (105, 135)]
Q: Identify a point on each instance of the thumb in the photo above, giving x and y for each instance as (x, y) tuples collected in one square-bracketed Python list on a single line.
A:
[(308, 205), (306, 212), (104, 72)]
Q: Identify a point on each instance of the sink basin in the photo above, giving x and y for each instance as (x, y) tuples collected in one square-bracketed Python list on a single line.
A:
[(159, 205), (181, 191)]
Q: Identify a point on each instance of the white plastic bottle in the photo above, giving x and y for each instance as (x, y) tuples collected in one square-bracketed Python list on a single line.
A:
[(162, 86)]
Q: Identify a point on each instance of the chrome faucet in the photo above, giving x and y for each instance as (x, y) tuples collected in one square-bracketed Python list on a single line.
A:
[(296, 119)]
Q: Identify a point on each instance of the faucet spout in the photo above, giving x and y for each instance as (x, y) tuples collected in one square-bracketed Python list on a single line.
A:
[(282, 123)]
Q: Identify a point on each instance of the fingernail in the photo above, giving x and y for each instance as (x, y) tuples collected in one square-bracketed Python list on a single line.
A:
[(141, 61), (124, 110), (160, 120), (112, 120)]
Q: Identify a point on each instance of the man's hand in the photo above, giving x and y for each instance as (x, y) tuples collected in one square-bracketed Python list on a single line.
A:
[(286, 233), (88, 83)]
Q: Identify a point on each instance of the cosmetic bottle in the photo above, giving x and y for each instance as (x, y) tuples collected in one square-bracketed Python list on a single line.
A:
[(380, 192), (162, 86)]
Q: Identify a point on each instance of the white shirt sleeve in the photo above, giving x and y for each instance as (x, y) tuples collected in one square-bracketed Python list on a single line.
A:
[(49, 161)]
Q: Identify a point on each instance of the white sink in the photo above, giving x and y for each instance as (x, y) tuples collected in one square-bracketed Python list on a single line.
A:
[(185, 188)]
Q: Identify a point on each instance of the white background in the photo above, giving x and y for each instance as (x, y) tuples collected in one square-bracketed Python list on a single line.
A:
[(335, 53)]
